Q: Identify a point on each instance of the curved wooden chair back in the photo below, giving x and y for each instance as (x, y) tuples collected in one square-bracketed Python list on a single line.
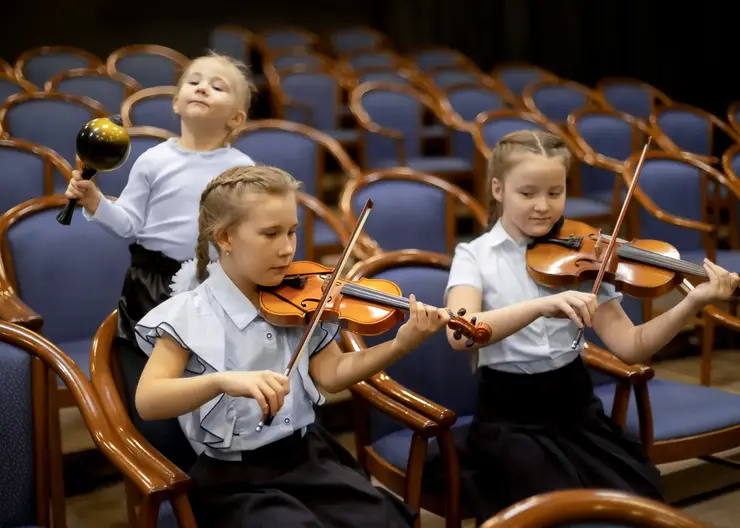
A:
[(580, 506)]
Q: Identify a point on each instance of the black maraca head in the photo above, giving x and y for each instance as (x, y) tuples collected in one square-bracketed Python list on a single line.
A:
[(103, 144)]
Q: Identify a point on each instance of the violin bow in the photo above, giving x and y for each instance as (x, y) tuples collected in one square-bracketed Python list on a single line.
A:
[(615, 235), (325, 297)]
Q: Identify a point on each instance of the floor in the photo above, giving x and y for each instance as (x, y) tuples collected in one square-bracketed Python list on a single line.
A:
[(105, 507)]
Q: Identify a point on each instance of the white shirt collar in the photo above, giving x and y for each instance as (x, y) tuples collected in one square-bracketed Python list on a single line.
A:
[(230, 297)]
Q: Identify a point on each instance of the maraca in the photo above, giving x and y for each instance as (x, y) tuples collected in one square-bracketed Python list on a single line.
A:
[(102, 145)]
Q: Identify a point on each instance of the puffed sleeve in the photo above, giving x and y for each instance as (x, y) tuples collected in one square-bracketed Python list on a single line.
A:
[(189, 319), (464, 271)]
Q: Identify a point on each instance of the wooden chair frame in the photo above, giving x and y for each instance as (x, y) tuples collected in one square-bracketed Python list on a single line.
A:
[(20, 98), (48, 363), (93, 61), (25, 86), (52, 162), (409, 483), (708, 229), (455, 195), (181, 61), (129, 102), (577, 506), (108, 386), (131, 85), (594, 98)]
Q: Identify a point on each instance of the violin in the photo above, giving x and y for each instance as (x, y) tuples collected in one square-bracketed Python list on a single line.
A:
[(575, 252), (311, 293), (365, 306)]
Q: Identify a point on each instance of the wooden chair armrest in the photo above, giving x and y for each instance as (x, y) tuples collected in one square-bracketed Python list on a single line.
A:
[(609, 364), (146, 479), (105, 389), (441, 415), (15, 311), (425, 427)]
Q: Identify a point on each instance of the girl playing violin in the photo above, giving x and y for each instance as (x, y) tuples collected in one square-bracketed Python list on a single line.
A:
[(538, 425), (215, 363)]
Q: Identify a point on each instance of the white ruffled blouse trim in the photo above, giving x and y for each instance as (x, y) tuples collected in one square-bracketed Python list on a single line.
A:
[(184, 280)]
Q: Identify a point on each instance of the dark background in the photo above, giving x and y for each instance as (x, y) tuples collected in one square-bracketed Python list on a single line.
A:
[(687, 49)]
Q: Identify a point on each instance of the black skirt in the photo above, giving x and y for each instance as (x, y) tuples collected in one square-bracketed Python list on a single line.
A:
[(147, 284), (299, 481), (536, 433)]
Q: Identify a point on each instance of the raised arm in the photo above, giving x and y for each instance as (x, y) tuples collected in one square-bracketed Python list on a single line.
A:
[(124, 217)]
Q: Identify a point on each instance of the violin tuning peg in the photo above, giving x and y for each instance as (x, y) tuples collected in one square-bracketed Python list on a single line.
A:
[(457, 335), (469, 343), (461, 312), (473, 320)]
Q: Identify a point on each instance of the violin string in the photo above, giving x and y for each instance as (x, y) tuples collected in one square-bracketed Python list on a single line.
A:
[(650, 257), (383, 297)]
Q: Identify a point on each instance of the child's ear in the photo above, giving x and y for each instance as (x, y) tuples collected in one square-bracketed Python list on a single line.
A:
[(237, 120), (497, 190), (174, 105), (223, 240)]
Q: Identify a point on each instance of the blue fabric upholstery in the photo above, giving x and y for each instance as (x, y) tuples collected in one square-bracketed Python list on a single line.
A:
[(675, 187), (468, 101), (609, 136), (403, 113), (284, 38), (557, 102), (632, 99), (155, 111), (389, 76), (433, 370), (111, 183), (295, 153), (107, 91), (444, 78), (149, 69), (395, 447), (371, 59), (317, 91), (40, 68), (494, 129), (230, 43), (424, 217), (21, 176), (50, 122), (517, 79), (8, 88), (577, 207), (348, 40), (689, 131), (166, 516), (54, 263), (17, 480), (288, 61), (427, 60), (681, 409)]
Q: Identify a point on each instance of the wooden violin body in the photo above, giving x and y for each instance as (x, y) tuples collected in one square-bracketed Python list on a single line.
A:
[(644, 269), (365, 306)]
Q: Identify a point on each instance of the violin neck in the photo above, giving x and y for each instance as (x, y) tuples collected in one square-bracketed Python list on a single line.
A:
[(661, 261), (375, 296)]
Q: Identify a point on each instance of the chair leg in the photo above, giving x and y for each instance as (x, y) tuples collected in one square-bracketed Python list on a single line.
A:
[(56, 461), (133, 498)]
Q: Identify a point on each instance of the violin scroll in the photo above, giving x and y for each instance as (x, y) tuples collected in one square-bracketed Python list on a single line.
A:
[(477, 333)]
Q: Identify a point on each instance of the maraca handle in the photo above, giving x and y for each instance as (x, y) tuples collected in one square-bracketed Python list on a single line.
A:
[(65, 217)]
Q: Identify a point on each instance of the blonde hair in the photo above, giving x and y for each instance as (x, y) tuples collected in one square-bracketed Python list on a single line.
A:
[(506, 154), (244, 86), (221, 206)]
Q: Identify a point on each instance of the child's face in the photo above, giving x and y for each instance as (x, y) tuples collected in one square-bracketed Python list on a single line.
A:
[(263, 244), (208, 93), (532, 194)]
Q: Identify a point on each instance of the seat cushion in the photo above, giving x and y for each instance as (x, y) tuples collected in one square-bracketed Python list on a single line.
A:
[(431, 164), (680, 409), (166, 516), (79, 351), (323, 234), (343, 135), (583, 207), (394, 447)]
